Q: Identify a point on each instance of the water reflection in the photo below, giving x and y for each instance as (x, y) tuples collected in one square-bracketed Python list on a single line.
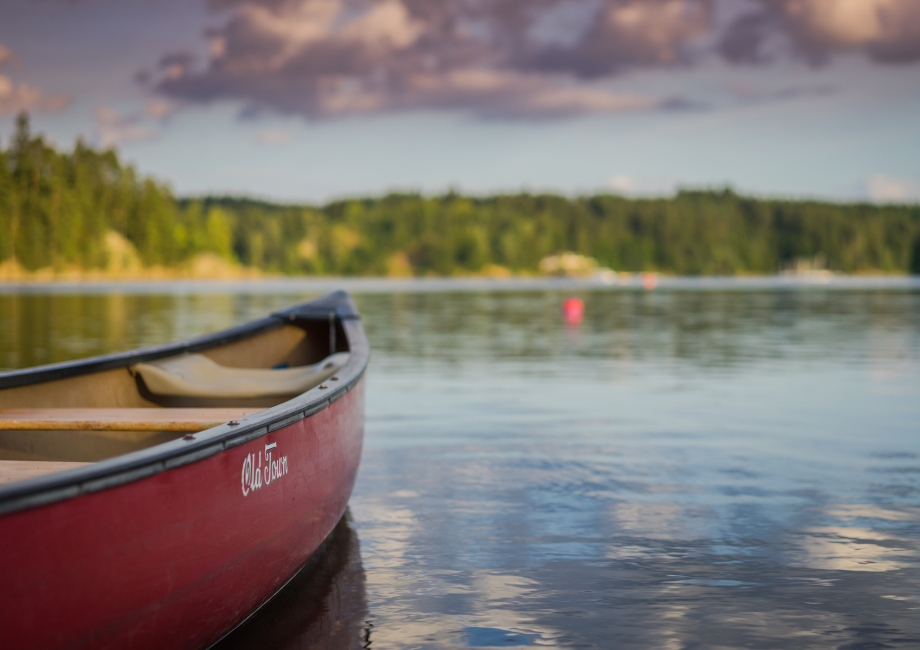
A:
[(686, 470), (492, 550), (39, 328), (324, 606), (711, 328)]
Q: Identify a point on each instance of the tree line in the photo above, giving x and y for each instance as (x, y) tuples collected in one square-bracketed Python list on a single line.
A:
[(57, 208)]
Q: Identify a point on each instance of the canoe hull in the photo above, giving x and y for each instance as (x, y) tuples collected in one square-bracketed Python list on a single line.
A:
[(177, 559)]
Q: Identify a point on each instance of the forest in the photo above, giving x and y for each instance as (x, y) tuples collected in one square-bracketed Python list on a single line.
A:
[(83, 208)]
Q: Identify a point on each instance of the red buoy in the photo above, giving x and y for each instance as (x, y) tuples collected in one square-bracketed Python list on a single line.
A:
[(573, 310)]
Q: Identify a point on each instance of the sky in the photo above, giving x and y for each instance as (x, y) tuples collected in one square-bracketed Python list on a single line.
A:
[(310, 100)]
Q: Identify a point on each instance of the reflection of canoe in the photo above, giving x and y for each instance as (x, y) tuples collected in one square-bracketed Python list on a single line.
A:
[(324, 606), (158, 508)]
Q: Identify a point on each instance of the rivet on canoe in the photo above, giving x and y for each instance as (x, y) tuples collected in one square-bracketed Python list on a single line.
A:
[(233, 422), (323, 386), (188, 436)]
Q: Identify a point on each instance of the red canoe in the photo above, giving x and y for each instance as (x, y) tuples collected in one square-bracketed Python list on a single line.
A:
[(157, 498)]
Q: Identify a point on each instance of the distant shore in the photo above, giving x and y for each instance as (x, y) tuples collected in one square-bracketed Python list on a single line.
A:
[(205, 266), (564, 268), (84, 215), (316, 285)]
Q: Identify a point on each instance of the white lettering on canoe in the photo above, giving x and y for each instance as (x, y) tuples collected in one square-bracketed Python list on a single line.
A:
[(257, 473)]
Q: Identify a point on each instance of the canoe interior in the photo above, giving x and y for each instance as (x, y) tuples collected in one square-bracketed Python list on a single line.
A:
[(53, 425)]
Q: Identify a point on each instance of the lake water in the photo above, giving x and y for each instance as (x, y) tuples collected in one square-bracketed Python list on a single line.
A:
[(706, 465)]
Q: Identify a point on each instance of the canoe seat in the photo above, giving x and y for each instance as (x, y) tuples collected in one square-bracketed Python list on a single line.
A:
[(195, 375), (118, 419), (21, 470)]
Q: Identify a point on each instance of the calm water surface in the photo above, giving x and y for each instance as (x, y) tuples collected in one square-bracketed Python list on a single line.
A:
[(694, 467)]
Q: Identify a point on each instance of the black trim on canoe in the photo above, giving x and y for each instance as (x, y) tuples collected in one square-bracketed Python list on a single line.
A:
[(335, 308)]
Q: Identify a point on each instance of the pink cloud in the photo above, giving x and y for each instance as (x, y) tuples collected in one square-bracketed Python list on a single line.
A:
[(330, 57), (888, 31), (530, 58), (16, 97)]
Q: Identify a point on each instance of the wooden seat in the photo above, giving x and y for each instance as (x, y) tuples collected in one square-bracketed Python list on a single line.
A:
[(118, 419), (21, 470)]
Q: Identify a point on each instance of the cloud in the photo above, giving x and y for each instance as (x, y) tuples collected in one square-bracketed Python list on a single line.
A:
[(158, 108), (888, 189), (625, 185), (114, 129), (537, 58), (16, 97), (622, 35), (514, 58), (888, 31)]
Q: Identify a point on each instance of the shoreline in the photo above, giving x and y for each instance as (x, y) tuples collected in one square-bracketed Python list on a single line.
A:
[(320, 284)]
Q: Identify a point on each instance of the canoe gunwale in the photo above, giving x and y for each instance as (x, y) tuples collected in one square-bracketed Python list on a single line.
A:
[(336, 308)]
